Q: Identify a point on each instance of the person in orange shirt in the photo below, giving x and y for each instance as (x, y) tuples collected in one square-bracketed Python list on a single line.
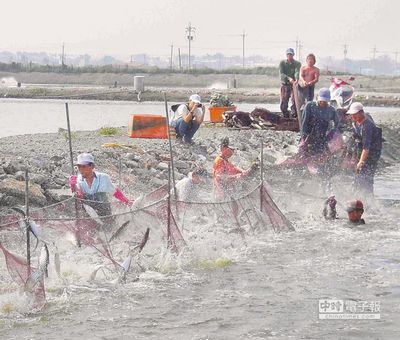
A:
[(225, 174)]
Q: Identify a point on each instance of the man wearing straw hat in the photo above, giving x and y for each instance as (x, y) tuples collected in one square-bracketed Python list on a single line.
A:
[(95, 186)]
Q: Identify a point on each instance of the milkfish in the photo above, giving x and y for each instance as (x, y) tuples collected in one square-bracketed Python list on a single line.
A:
[(329, 211), (92, 213), (31, 226), (38, 275), (119, 230), (57, 262)]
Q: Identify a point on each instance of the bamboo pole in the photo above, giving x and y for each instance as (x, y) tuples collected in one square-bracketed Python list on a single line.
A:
[(261, 173), (72, 171), (28, 236), (119, 171), (170, 144), (169, 207), (69, 139)]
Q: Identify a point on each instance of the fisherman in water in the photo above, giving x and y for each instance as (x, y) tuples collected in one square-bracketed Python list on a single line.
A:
[(318, 119), (355, 209), (94, 186), (225, 174)]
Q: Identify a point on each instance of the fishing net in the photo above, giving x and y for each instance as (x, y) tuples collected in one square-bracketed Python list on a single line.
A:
[(120, 234)]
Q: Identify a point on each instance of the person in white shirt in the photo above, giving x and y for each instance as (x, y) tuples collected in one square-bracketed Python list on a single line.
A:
[(185, 188), (188, 118)]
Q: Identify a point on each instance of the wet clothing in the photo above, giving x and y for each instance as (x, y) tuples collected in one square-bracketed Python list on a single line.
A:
[(98, 193), (288, 70), (315, 125), (359, 222), (368, 136), (307, 93), (224, 176), (184, 189), (286, 94)]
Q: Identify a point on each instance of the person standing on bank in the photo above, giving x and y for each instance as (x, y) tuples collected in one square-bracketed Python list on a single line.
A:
[(369, 146), (289, 70), (188, 118), (309, 76)]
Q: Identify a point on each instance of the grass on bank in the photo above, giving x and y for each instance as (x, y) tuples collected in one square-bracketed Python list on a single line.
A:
[(108, 131)]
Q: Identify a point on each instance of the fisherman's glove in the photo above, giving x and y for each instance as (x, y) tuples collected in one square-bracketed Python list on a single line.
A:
[(73, 180)]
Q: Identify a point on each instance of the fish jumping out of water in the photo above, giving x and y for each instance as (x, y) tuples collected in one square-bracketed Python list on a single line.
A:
[(42, 270), (31, 226), (93, 214), (329, 211)]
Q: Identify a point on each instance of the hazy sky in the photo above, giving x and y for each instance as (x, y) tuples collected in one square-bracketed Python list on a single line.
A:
[(125, 27)]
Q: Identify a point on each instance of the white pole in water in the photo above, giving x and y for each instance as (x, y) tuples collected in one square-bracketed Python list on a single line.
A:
[(170, 144), (28, 237)]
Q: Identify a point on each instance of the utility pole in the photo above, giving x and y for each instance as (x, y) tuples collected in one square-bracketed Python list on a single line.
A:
[(63, 57), (396, 54), (190, 31), (243, 37), (297, 46), (180, 61), (172, 51), (344, 57), (374, 50)]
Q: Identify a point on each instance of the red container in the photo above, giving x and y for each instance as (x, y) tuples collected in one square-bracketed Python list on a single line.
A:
[(147, 126), (217, 111)]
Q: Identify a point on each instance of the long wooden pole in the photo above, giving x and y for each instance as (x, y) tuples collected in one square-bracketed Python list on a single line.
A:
[(169, 207), (28, 236), (69, 139), (77, 234), (261, 173), (170, 144)]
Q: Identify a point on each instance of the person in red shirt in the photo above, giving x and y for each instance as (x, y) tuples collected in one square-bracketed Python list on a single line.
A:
[(225, 174)]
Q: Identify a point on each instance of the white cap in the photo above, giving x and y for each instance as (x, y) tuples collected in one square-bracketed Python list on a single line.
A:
[(355, 108), (84, 159), (195, 98)]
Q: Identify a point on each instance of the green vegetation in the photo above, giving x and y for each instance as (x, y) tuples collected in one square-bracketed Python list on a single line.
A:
[(127, 69), (108, 131)]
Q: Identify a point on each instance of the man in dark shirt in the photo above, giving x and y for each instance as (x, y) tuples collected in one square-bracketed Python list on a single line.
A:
[(369, 145), (355, 209), (318, 119), (289, 70)]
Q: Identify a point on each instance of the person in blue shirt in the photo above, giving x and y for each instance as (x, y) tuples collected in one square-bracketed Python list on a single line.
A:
[(318, 120), (369, 146), (95, 187)]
